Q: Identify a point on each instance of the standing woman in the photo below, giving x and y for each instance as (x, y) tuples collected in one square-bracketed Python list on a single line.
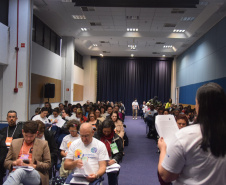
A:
[(197, 154), (168, 104), (113, 143)]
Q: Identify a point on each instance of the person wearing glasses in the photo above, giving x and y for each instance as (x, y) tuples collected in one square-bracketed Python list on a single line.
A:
[(93, 120), (73, 127), (87, 151)]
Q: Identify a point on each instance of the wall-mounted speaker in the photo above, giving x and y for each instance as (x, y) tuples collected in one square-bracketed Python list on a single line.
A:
[(49, 90)]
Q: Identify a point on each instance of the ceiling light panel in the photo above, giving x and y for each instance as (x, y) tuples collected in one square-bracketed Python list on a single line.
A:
[(167, 46), (132, 29), (178, 31), (187, 18), (79, 16)]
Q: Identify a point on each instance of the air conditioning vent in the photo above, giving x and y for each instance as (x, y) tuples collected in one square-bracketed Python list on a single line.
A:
[(95, 23), (132, 17), (160, 43), (104, 42), (169, 25), (106, 52), (155, 53), (87, 9), (178, 11)]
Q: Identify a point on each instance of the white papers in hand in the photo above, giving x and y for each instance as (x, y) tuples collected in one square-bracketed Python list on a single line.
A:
[(79, 180), (87, 168), (166, 127), (26, 168), (60, 122), (113, 168)]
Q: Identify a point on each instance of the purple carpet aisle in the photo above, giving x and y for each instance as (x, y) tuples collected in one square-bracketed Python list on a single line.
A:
[(139, 165)]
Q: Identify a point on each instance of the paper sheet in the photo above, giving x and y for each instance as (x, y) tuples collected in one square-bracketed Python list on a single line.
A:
[(166, 127), (78, 180)]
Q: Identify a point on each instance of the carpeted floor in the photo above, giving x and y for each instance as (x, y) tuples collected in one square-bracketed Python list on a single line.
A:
[(139, 165)]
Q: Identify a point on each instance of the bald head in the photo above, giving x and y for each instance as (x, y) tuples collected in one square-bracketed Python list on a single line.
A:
[(86, 133)]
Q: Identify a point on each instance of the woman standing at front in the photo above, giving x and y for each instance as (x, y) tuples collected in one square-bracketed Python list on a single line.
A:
[(197, 154)]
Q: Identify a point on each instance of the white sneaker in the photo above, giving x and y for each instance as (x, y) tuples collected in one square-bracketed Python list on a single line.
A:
[(133, 118)]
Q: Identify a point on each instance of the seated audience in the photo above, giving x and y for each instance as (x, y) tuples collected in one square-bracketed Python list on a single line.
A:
[(93, 150), (103, 111), (49, 107), (45, 134), (166, 112), (28, 151), (99, 117), (73, 127), (55, 116), (109, 111), (14, 130), (80, 116), (182, 121), (37, 111), (107, 135), (3, 154), (92, 119), (42, 116), (119, 129)]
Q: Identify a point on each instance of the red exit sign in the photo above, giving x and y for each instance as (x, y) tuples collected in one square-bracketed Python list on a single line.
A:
[(23, 45)]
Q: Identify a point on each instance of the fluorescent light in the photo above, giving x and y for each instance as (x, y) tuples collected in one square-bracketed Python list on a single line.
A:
[(84, 29), (167, 46), (178, 31), (132, 29), (79, 16)]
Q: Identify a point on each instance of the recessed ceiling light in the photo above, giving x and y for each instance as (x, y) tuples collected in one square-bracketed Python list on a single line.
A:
[(84, 29), (79, 16), (163, 55), (101, 55), (167, 46), (178, 31), (132, 55), (95, 45), (132, 29)]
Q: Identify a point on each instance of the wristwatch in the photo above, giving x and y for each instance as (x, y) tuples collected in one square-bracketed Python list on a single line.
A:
[(97, 176)]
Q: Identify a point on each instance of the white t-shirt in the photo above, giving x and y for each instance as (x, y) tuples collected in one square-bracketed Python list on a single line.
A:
[(52, 118), (135, 105), (185, 157), (144, 108), (96, 151), (38, 117), (66, 143)]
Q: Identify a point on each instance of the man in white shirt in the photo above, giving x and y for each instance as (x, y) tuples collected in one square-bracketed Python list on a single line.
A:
[(87, 151), (135, 107), (42, 116)]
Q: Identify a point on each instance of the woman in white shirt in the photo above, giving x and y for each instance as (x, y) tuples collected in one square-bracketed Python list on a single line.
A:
[(197, 154)]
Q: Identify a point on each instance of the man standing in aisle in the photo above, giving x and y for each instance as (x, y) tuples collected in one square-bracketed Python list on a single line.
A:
[(135, 107)]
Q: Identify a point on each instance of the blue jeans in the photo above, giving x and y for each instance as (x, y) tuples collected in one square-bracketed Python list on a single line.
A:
[(22, 176)]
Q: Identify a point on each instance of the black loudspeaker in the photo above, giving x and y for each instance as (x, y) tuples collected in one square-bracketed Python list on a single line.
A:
[(49, 90)]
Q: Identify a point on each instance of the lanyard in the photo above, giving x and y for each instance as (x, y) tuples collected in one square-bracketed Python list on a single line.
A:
[(13, 131)]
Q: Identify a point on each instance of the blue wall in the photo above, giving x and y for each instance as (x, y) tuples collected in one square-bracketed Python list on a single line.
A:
[(204, 62)]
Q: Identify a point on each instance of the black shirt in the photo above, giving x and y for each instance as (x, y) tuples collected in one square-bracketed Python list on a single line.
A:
[(10, 129)]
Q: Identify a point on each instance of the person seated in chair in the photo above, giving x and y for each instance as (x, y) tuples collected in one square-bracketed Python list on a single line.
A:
[(105, 133), (87, 150), (45, 134), (28, 152)]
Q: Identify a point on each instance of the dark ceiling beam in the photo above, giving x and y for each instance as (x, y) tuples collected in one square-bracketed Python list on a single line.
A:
[(140, 3)]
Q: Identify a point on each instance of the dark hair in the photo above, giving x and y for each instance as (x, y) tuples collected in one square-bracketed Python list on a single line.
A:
[(38, 110), (44, 109), (108, 123), (50, 106), (12, 111), (73, 123), (116, 112), (41, 126), (212, 121), (30, 127), (182, 116), (91, 112), (57, 110)]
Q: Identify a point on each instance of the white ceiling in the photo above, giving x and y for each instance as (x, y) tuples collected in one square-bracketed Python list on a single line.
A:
[(57, 14)]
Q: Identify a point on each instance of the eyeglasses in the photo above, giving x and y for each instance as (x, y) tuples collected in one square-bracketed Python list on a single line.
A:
[(72, 130)]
